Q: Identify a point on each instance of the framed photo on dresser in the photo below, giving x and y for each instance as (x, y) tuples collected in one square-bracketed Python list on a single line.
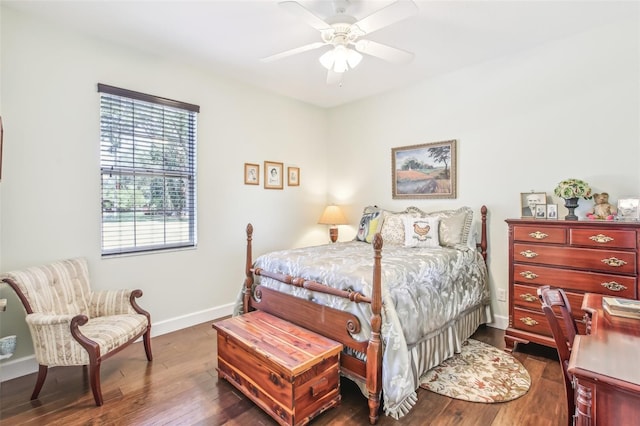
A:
[(529, 201), (629, 209)]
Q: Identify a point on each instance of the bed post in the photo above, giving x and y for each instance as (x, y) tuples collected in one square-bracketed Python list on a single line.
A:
[(374, 349), (483, 240), (248, 281)]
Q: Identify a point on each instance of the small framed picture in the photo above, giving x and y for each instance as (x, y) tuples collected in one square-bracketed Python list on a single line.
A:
[(293, 174), (273, 175), (552, 211), (251, 174), (529, 200), (629, 209), (541, 211)]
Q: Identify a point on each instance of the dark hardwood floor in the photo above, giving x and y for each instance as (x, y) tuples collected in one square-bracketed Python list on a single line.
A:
[(181, 387)]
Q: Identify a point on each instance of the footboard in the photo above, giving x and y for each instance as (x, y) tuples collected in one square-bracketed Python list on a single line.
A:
[(332, 323)]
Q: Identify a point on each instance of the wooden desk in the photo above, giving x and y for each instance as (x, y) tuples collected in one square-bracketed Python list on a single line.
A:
[(606, 368)]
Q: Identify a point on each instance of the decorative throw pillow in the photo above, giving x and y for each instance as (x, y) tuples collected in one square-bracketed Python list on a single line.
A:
[(369, 224), (421, 232), (392, 230), (455, 226)]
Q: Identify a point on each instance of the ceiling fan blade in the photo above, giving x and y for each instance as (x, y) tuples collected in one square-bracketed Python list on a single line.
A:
[(334, 78), (293, 51), (382, 51), (401, 9), (305, 14)]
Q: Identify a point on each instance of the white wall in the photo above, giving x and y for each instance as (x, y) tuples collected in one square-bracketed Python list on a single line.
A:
[(51, 182), (524, 122)]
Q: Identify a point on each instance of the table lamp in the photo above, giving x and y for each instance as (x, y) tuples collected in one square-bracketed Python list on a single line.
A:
[(333, 217)]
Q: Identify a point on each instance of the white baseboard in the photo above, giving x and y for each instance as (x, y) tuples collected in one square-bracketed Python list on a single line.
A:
[(27, 365), (500, 322), (184, 321)]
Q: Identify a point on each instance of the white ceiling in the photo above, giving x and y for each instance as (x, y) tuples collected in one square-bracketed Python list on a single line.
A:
[(230, 37)]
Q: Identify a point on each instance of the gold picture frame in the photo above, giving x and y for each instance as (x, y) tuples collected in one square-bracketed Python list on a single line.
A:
[(293, 176), (273, 175), (251, 174), (424, 171)]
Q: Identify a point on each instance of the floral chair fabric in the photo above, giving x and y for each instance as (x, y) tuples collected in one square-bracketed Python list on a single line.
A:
[(71, 324)]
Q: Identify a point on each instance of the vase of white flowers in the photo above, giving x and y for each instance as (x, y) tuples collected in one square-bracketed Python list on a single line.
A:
[(571, 190)]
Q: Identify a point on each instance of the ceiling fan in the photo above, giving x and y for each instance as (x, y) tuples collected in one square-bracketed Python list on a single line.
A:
[(345, 36)]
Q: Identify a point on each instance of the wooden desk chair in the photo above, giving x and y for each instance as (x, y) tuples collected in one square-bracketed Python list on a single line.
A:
[(563, 334)]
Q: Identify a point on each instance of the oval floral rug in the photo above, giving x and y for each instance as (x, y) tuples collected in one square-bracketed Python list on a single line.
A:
[(480, 373)]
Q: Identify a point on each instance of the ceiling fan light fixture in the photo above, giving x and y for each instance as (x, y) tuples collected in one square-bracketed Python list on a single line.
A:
[(340, 59), (341, 56), (353, 58), (327, 59), (343, 30)]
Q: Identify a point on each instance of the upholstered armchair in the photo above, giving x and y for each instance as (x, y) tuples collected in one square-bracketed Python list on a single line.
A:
[(71, 324)]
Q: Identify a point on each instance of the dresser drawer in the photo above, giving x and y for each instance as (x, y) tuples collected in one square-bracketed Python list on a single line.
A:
[(536, 322), (583, 281), (527, 297), (612, 261), (540, 234), (608, 238)]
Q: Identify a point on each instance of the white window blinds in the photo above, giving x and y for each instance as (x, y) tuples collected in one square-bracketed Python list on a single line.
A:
[(148, 169)]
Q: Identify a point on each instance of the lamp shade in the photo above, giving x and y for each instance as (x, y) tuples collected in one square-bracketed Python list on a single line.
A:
[(332, 215)]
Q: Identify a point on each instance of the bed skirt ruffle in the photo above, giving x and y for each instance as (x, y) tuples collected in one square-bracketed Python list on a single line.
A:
[(433, 350)]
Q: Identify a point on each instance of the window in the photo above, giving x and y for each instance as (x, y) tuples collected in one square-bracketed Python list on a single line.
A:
[(148, 169)]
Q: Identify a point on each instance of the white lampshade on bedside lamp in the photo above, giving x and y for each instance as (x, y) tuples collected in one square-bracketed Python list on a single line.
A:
[(333, 217)]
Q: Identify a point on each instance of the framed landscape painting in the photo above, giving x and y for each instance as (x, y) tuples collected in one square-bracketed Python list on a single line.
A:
[(424, 171)]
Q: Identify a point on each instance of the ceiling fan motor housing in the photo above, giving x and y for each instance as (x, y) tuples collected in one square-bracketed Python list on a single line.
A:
[(341, 33)]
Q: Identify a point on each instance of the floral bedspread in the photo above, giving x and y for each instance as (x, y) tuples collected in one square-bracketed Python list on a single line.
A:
[(423, 290)]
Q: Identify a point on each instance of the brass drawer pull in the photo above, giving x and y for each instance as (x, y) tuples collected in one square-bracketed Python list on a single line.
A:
[(538, 235), (529, 254), (529, 321), (614, 286), (614, 261), (600, 238), (528, 275), (529, 297)]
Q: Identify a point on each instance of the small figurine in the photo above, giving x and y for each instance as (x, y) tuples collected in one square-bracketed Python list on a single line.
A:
[(602, 209)]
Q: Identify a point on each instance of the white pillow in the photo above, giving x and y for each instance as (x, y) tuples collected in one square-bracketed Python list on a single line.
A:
[(421, 231)]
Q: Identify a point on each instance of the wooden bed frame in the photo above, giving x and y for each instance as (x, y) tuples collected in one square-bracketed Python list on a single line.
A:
[(330, 322)]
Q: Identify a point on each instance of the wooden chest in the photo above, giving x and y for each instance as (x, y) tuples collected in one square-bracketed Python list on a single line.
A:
[(291, 373)]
